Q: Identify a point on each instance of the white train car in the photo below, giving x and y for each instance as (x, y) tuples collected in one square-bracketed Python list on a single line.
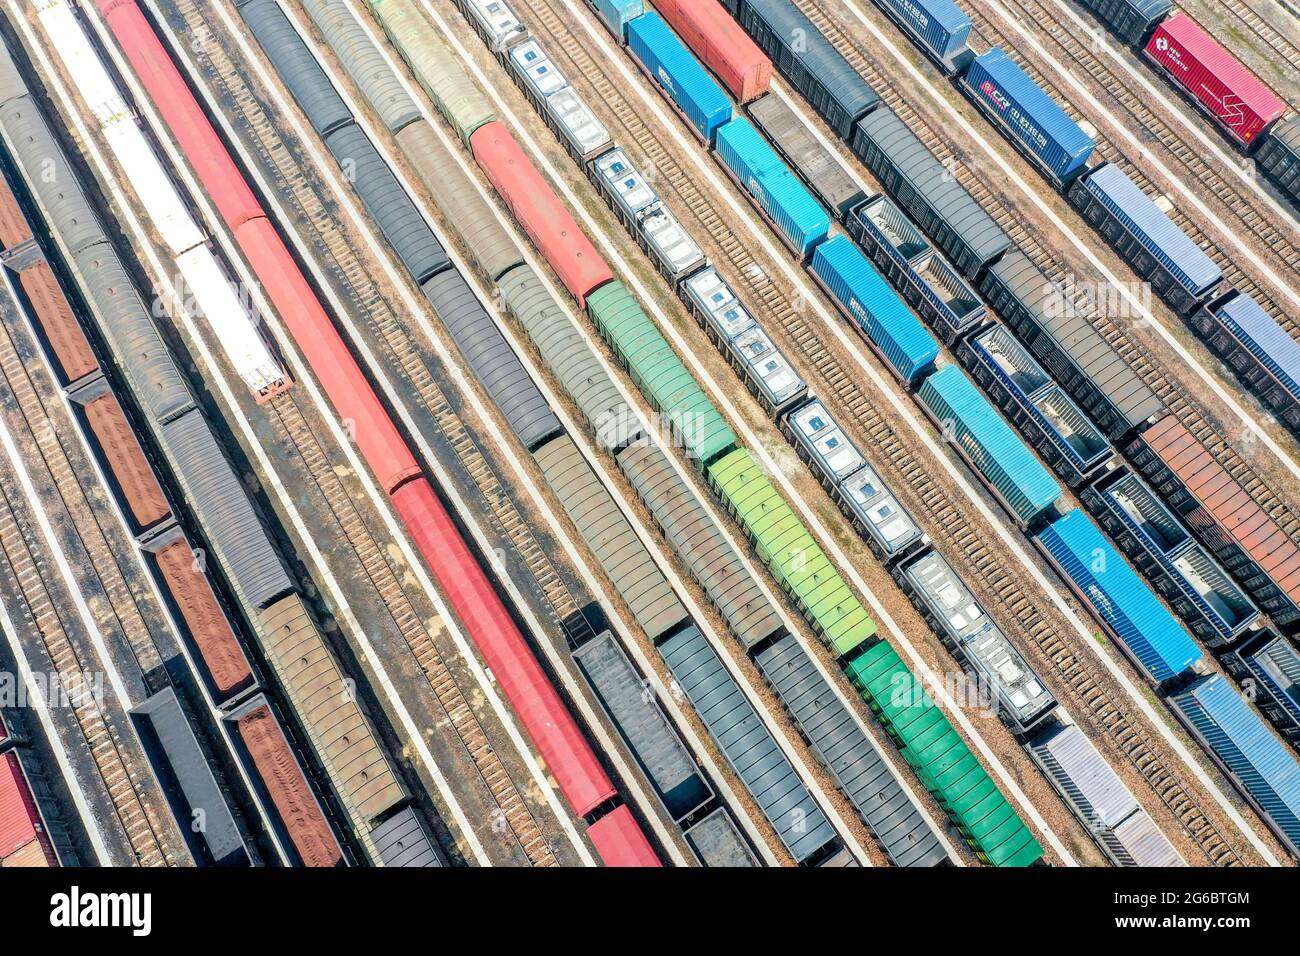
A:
[(209, 295)]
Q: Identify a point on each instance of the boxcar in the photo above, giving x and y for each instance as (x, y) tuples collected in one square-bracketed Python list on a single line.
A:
[(1035, 122), (292, 60), (927, 190), (961, 622), (672, 67), (1262, 353), (988, 445), (1131, 20), (1279, 156), (1184, 573), (1265, 771), (1157, 250), (940, 27), (1217, 82), (1103, 580), (1033, 402), (402, 840)]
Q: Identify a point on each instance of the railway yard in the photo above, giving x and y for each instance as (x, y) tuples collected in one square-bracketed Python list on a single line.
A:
[(723, 433)]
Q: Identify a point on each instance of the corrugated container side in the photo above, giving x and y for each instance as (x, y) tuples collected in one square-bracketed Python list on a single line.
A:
[(1279, 156), (720, 44), (941, 26), (617, 14), (671, 65)]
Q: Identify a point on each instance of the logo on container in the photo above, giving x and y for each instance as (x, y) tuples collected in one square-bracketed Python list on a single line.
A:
[(996, 96)]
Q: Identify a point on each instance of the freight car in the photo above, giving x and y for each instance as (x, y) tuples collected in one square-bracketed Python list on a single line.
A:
[(24, 837), (815, 164), (1279, 156), (1268, 667), (639, 208), (939, 27), (721, 45)]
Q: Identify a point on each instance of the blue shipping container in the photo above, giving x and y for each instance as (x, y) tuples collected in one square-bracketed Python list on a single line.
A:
[(975, 426), (1153, 230), (617, 14), (1261, 766), (941, 26), (1035, 120), (673, 67), (745, 152), (1269, 342), (765, 176), (899, 334), (1119, 597)]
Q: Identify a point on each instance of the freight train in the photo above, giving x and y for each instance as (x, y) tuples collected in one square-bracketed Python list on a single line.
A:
[(1183, 570)]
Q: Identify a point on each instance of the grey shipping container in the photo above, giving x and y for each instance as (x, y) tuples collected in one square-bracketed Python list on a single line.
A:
[(198, 800), (611, 538), (1064, 339), (298, 70), (493, 362), (224, 510), (363, 63), (748, 746), (808, 60), (569, 357), (129, 329), (816, 164), (387, 202), (696, 539), (845, 750), (49, 175), (491, 248), (402, 840), (644, 728), (718, 843), (1279, 156), (928, 191)]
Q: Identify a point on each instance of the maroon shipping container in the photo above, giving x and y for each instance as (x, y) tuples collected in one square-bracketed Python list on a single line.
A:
[(721, 44), (1217, 80)]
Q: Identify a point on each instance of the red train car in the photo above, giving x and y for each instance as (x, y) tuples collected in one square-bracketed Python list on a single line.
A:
[(1236, 98), (23, 840), (545, 717), (543, 215), (620, 842), (721, 44)]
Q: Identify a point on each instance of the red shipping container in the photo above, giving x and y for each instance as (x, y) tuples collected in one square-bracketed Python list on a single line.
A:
[(541, 213), (721, 44), (515, 667), (20, 821), (1217, 80), (620, 842)]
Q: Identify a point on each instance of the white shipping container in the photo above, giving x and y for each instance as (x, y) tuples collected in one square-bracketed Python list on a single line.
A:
[(83, 64), (211, 297), (154, 188)]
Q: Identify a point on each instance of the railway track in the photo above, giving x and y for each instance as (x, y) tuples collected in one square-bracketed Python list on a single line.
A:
[(23, 552), (946, 522), (1179, 399), (1272, 244), (1257, 25), (340, 257)]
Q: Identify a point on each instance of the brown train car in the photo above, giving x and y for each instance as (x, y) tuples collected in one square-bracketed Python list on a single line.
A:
[(126, 461), (13, 224), (61, 328), (347, 745), (1247, 540), (294, 801), (204, 619)]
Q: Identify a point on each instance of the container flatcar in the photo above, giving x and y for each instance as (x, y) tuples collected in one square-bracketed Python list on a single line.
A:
[(1262, 353), (1131, 20), (1035, 122), (1265, 772), (1250, 543), (927, 190), (861, 494), (799, 219), (1179, 567), (1217, 82), (1268, 667), (1179, 271), (940, 27), (1067, 343), (673, 69), (820, 168), (808, 61), (1279, 156), (1100, 799), (980, 435), (299, 811), (721, 45), (1103, 580), (717, 843), (867, 300), (1062, 435), (24, 840), (928, 283), (1005, 681)]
